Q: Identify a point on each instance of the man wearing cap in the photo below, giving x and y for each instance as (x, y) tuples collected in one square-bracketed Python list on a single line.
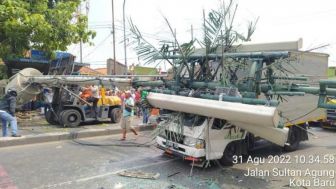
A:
[(126, 122), (7, 112), (48, 97)]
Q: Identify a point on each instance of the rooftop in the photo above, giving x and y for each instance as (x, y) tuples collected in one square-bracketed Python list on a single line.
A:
[(88, 71)]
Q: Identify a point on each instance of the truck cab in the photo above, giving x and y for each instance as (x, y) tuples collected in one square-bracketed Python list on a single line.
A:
[(330, 122), (198, 138)]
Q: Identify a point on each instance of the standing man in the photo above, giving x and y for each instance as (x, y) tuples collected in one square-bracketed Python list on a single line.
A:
[(7, 112), (126, 122), (48, 97), (145, 111), (94, 99), (137, 102), (86, 92)]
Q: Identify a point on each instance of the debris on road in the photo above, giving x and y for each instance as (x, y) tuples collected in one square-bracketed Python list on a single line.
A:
[(24, 115), (139, 174), (171, 187), (173, 174)]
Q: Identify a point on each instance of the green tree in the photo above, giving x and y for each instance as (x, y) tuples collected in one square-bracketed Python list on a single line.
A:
[(3, 72), (220, 32), (46, 25)]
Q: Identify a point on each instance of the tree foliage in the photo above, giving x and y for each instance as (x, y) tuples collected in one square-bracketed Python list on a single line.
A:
[(46, 25), (3, 71), (219, 31)]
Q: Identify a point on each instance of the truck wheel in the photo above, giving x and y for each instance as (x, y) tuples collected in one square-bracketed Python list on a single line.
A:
[(50, 117), (70, 118), (116, 115), (229, 152), (293, 139), (60, 118)]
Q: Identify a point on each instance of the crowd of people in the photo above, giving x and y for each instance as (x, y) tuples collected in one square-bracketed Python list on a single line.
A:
[(132, 105)]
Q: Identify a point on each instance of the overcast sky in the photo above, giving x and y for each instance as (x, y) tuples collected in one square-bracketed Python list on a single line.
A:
[(285, 20)]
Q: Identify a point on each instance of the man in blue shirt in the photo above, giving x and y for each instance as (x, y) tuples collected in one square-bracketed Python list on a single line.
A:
[(126, 122)]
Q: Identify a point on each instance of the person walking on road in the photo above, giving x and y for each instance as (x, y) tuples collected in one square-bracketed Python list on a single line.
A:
[(126, 122), (7, 113)]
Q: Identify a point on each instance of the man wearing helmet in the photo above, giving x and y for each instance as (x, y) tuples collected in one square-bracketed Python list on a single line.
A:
[(7, 112)]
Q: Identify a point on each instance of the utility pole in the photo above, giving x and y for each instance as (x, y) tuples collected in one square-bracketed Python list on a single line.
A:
[(125, 37), (81, 41), (113, 34), (192, 32), (81, 51), (87, 5)]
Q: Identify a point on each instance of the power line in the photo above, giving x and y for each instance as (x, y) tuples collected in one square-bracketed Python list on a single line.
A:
[(74, 47), (97, 46), (132, 58), (119, 27)]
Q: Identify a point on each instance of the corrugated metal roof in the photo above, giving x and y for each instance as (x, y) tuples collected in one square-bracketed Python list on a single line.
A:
[(102, 71), (88, 71)]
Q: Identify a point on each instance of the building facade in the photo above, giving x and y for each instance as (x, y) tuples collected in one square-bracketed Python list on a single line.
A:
[(115, 67)]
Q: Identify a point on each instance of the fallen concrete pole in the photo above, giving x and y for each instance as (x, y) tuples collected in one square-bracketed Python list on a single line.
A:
[(25, 82), (260, 120), (276, 135), (83, 80), (25, 91)]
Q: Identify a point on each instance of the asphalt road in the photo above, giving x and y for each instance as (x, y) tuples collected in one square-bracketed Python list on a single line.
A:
[(71, 165)]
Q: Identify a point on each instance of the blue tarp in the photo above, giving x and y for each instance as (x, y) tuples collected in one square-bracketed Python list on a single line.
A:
[(40, 55), (61, 55)]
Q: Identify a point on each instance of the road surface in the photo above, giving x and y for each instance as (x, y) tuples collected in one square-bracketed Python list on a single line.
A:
[(70, 165)]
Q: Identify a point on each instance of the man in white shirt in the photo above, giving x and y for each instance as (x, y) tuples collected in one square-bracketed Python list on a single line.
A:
[(95, 98)]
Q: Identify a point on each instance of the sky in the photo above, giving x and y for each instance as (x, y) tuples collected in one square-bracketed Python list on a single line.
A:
[(285, 20)]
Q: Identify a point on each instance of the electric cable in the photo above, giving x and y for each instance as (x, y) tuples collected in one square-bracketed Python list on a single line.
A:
[(311, 111), (97, 46), (125, 143), (132, 144), (296, 125)]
